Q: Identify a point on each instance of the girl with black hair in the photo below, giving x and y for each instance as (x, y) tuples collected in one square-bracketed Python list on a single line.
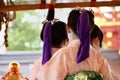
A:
[(79, 55), (54, 37), (96, 37)]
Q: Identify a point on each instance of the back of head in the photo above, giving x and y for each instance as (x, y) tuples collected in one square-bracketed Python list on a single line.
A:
[(73, 18), (81, 22), (96, 32), (59, 33), (54, 34)]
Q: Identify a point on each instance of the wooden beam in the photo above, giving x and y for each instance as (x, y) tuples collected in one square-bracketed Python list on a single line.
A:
[(58, 5), (43, 1), (88, 4), (23, 7)]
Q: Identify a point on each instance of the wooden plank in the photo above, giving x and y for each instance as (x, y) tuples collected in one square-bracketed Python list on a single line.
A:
[(58, 5)]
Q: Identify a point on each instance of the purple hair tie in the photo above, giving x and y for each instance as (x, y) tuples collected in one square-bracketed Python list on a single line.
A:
[(47, 47), (83, 31)]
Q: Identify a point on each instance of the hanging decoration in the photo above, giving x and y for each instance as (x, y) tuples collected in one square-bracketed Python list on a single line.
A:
[(5, 18)]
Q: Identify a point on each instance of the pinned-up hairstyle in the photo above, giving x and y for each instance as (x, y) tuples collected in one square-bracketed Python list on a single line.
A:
[(54, 34), (59, 34), (74, 15), (81, 22)]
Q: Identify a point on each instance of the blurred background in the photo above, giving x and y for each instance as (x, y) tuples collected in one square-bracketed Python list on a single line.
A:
[(20, 28)]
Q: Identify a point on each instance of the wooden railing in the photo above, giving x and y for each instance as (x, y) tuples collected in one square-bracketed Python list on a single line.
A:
[(20, 56)]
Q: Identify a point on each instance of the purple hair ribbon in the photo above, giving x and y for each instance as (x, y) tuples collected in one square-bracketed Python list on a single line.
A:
[(83, 31), (47, 47)]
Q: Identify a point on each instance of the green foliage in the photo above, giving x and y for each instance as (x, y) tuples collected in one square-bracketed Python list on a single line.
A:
[(25, 31)]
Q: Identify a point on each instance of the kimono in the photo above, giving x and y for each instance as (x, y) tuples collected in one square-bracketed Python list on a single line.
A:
[(63, 63), (35, 69), (37, 66)]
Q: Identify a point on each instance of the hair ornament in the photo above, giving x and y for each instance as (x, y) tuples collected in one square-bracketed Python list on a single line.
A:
[(52, 21), (83, 9)]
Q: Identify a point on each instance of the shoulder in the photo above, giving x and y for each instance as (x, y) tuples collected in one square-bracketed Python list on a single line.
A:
[(61, 53), (93, 51), (38, 61), (35, 68), (74, 43), (67, 53), (72, 48), (96, 55), (37, 64)]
